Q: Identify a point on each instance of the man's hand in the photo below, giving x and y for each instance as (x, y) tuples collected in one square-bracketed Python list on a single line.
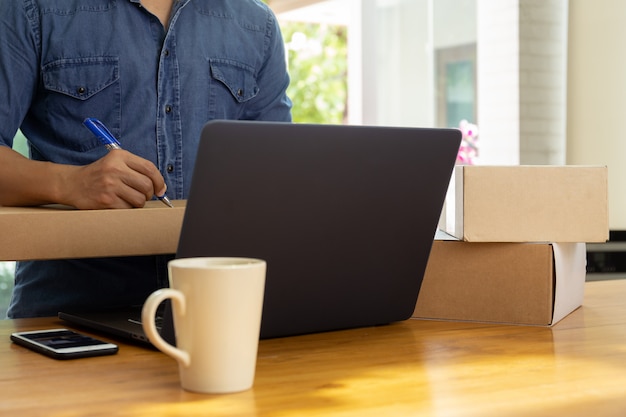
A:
[(118, 180)]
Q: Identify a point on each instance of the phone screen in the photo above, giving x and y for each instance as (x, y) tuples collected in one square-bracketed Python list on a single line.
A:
[(63, 343), (63, 339)]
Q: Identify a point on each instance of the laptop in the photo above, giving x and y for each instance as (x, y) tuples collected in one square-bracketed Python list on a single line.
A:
[(345, 217)]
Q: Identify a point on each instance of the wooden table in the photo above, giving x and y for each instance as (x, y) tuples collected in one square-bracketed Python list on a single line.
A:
[(413, 368)]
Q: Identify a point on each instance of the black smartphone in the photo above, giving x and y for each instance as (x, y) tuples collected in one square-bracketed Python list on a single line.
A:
[(63, 343)]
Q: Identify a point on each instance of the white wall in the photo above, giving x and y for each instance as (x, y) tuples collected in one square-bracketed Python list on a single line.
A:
[(522, 58), (390, 52), (597, 94), (454, 22), (543, 81), (498, 81)]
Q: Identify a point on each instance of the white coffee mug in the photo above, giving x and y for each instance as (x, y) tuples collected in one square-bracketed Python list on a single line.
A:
[(217, 305)]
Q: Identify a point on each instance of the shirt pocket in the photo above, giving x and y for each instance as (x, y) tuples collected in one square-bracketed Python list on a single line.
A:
[(238, 82), (77, 88)]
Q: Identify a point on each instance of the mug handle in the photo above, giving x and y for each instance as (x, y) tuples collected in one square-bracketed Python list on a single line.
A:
[(148, 313)]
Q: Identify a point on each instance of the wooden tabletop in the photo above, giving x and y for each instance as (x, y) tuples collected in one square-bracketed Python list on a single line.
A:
[(413, 368)]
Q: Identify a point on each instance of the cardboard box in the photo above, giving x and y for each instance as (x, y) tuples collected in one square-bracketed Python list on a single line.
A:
[(514, 283), (56, 232), (528, 204)]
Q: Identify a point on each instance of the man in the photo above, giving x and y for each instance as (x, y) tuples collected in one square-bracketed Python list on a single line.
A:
[(154, 71)]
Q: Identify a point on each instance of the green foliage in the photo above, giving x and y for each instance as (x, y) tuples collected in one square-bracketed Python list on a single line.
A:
[(317, 57), (19, 143), (7, 271)]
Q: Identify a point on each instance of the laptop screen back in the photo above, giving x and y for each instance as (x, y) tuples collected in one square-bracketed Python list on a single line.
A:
[(344, 216)]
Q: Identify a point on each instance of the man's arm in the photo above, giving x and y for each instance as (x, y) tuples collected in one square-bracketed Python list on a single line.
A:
[(118, 180), (272, 102)]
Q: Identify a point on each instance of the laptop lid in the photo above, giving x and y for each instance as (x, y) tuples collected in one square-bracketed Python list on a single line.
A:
[(345, 217)]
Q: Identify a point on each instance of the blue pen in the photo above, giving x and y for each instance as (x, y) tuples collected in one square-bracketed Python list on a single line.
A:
[(108, 140)]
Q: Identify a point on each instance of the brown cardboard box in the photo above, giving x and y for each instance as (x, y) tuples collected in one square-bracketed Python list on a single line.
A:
[(515, 283), (54, 232), (528, 204)]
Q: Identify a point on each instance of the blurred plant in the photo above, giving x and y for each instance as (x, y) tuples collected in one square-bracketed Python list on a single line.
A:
[(318, 66), (468, 149), (7, 272)]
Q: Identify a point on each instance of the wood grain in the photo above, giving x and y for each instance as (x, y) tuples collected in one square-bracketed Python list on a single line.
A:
[(425, 368)]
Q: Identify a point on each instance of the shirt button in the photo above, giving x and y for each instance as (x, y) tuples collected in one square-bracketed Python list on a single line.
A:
[(170, 168), (81, 90), (240, 92), (168, 109), (166, 52)]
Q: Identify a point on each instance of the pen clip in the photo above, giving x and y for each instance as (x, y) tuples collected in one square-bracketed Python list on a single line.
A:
[(101, 132)]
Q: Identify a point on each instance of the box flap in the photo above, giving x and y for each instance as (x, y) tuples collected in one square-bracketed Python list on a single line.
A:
[(570, 260)]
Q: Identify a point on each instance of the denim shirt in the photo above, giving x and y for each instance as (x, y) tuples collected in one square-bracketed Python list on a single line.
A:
[(63, 61)]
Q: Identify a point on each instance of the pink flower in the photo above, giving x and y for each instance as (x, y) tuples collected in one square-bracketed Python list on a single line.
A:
[(468, 149)]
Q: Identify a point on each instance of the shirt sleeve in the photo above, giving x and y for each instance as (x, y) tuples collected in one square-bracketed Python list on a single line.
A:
[(18, 65), (272, 104)]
